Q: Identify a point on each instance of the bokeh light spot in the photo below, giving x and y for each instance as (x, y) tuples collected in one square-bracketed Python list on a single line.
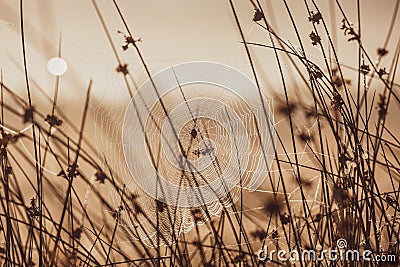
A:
[(57, 66)]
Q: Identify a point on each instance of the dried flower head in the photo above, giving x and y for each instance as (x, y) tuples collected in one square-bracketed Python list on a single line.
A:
[(123, 68), (76, 234), (52, 120), (382, 106), (348, 30), (8, 138), (28, 114), (382, 51), (382, 72), (285, 218), (161, 206), (305, 136), (337, 101), (286, 109), (315, 18), (258, 15), (73, 170), (315, 38), (129, 40), (273, 205), (33, 210), (259, 234), (364, 69), (8, 170), (100, 176)]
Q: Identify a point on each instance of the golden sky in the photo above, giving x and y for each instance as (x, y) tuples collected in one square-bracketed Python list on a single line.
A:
[(172, 31)]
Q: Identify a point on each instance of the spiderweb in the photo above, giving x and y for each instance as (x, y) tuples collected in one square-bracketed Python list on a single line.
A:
[(189, 146)]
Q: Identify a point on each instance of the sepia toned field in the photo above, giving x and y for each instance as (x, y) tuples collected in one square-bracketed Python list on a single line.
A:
[(199, 133)]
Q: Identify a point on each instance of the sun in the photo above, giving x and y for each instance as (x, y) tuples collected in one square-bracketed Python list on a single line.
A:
[(57, 66)]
